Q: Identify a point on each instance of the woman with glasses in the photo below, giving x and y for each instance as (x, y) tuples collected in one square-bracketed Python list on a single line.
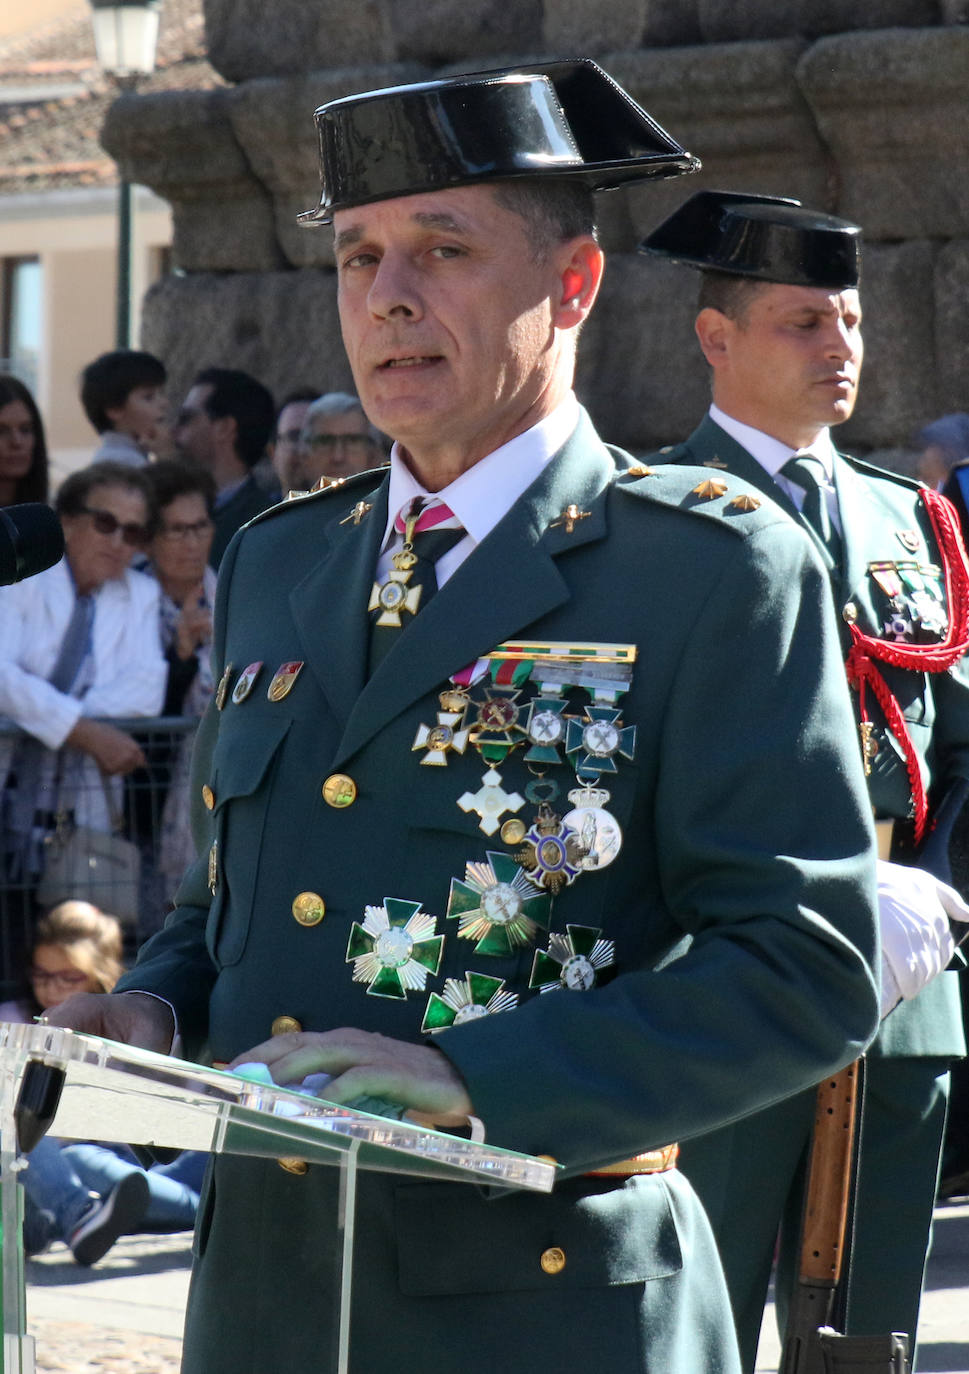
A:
[(87, 1195), (23, 448), (178, 556), (79, 644)]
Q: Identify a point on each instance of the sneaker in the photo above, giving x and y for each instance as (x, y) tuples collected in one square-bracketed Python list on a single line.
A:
[(109, 1217)]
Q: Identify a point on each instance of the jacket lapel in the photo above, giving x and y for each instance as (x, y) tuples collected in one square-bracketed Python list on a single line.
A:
[(860, 514), (330, 605), (507, 583), (709, 440)]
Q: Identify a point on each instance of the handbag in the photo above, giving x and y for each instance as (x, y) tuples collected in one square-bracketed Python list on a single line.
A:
[(97, 866)]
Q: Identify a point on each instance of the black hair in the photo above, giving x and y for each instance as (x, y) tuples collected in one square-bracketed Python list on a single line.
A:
[(247, 401), (728, 292), (108, 382), (73, 493), (34, 485), (171, 478)]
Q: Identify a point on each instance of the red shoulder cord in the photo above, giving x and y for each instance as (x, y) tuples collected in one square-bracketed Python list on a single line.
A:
[(920, 658)]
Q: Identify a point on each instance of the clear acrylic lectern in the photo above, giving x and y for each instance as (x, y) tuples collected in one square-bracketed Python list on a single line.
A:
[(85, 1088)]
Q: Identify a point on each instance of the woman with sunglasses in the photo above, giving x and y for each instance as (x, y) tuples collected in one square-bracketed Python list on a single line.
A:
[(78, 643)]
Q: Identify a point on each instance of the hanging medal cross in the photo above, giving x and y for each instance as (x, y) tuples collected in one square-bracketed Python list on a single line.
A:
[(594, 742), (394, 595)]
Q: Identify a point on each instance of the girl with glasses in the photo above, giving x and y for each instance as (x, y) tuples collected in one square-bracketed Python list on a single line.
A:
[(87, 1195)]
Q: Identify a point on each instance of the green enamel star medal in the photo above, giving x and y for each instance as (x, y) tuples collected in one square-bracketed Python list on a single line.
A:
[(496, 905), (465, 1000), (395, 948), (595, 741), (572, 961)]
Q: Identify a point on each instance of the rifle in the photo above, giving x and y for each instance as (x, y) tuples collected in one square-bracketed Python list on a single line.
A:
[(811, 1344)]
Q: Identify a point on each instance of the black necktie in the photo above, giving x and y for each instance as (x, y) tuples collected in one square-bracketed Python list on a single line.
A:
[(427, 531), (807, 472)]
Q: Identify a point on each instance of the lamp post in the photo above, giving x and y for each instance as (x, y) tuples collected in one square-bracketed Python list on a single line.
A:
[(125, 38)]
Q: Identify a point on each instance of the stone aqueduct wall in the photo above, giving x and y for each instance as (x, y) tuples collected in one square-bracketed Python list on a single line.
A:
[(787, 97)]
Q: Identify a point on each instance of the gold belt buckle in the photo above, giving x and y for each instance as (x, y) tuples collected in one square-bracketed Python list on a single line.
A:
[(649, 1162)]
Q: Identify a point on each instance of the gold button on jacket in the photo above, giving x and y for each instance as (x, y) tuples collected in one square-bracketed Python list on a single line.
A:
[(284, 1025), (553, 1260), (309, 908), (339, 790)]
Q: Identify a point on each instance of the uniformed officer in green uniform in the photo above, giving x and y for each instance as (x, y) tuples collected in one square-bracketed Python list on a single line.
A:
[(461, 808), (779, 324)]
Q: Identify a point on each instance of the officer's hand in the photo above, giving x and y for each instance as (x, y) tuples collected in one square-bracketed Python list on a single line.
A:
[(134, 1018), (365, 1064), (914, 911)]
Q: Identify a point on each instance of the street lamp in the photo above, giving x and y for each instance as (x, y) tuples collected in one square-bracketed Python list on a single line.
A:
[(125, 38)]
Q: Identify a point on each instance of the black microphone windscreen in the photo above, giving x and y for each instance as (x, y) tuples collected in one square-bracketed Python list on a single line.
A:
[(31, 539)]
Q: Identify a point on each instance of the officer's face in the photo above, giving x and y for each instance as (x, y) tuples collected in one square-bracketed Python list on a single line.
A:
[(789, 364), (459, 337)]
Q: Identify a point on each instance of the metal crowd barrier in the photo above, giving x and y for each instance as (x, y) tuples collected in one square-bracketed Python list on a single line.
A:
[(139, 875)]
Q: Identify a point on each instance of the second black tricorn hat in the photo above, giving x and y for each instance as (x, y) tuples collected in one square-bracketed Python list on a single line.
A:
[(561, 119), (764, 237)]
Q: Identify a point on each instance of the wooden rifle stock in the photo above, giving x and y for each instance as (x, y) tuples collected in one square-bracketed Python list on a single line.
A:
[(811, 1346)]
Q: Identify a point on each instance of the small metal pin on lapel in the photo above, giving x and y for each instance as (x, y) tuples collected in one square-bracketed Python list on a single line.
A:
[(715, 462), (570, 518), (358, 512)]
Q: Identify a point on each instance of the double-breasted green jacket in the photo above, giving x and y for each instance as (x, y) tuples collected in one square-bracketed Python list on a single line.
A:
[(884, 523), (745, 826)]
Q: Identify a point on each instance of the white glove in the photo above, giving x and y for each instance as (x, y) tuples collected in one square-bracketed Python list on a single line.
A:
[(914, 910)]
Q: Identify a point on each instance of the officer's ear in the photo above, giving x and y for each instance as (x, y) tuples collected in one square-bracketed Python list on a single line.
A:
[(714, 331), (580, 263)]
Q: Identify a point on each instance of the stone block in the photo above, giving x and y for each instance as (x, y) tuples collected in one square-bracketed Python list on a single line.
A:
[(248, 39), (280, 326), (589, 27), (951, 333), (737, 108), (640, 371), (479, 33), (272, 120), (899, 387), (671, 22), (725, 21), (307, 36), (181, 144), (891, 106)]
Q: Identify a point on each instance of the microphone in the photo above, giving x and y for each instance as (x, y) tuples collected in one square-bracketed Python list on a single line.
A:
[(31, 539)]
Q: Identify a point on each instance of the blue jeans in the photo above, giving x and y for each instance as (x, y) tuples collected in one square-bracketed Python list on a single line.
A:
[(173, 1188), (52, 1185), (62, 1177)]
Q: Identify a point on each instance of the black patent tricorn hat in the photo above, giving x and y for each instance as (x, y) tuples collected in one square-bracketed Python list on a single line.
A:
[(764, 237), (562, 119)]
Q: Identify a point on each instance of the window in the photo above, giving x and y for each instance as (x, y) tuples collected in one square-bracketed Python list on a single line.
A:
[(21, 293)]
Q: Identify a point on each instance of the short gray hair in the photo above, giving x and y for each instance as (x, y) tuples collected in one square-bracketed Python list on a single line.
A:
[(341, 403)]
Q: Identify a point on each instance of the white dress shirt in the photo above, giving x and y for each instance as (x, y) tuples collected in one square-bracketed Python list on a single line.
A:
[(486, 492), (772, 454)]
